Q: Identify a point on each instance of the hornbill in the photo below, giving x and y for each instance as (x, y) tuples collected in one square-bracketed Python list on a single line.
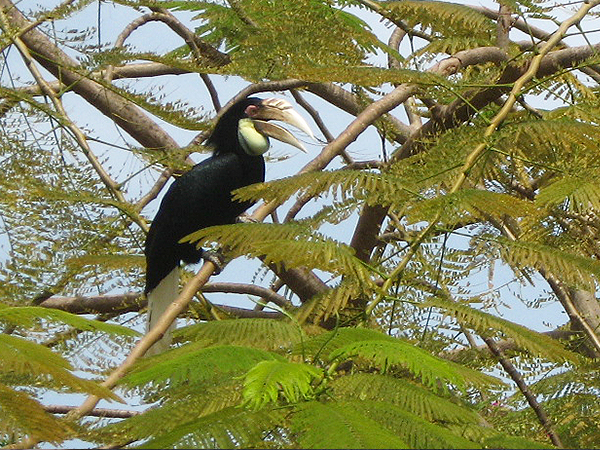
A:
[(202, 197)]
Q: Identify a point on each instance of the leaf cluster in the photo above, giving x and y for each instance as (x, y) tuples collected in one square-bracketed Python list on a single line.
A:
[(30, 369), (351, 387)]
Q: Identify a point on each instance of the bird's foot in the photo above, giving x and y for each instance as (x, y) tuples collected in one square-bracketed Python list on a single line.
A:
[(245, 218), (215, 257)]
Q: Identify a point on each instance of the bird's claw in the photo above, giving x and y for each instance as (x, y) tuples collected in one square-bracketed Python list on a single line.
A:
[(245, 218), (215, 257)]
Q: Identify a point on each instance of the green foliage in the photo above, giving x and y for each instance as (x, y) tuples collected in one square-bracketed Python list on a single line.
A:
[(334, 38), (211, 393), (265, 334), (24, 358), (323, 306), (24, 416), (400, 392), (267, 380), (323, 425), (536, 343), (434, 373), (413, 429), (28, 316), (213, 403), (469, 205), (341, 184), (576, 269), (452, 18), (26, 364), (324, 344), (193, 362), (226, 428), (572, 389), (290, 243), (576, 193), (72, 222)]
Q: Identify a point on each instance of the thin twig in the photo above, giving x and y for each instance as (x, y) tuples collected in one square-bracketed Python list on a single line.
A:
[(518, 379)]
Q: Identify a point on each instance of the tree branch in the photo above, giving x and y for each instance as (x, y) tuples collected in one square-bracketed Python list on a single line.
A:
[(96, 412), (133, 301)]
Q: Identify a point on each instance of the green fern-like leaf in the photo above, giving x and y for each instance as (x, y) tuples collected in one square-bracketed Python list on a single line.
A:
[(27, 316), (516, 442), (120, 261), (291, 244), (411, 428), (340, 425), (488, 437), (265, 334), (268, 380), (577, 192), (24, 416), (240, 237), (327, 255), (323, 306), (435, 373), (577, 419), (227, 428), (450, 18), (454, 43), (188, 403), (193, 363), (532, 341), (341, 184), (556, 141), (323, 345), (22, 357), (404, 394), (469, 204), (364, 76), (385, 351), (573, 268)]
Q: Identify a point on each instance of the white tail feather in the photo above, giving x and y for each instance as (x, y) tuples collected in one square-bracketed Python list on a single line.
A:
[(159, 300)]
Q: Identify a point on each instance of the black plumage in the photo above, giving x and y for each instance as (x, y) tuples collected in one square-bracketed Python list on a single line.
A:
[(202, 197)]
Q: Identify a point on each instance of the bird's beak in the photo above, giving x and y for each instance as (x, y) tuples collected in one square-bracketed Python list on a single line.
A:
[(281, 110)]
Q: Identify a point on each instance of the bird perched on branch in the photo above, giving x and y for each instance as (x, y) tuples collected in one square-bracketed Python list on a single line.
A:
[(202, 197)]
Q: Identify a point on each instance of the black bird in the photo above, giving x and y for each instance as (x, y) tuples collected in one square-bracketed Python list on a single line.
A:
[(202, 197)]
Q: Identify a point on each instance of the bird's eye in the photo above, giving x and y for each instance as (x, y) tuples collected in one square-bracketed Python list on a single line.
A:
[(251, 110)]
